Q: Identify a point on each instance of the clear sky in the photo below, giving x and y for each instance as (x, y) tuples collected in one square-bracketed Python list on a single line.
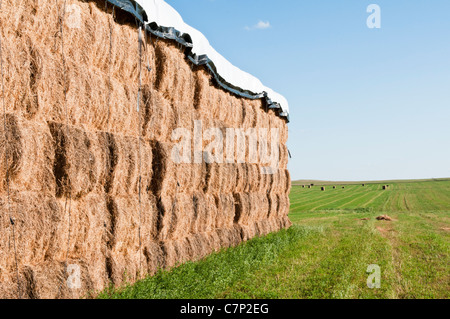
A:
[(365, 104)]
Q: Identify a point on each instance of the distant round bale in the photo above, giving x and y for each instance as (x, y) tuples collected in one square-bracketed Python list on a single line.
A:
[(323, 189)]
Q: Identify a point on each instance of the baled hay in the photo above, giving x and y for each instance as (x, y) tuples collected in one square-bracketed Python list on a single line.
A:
[(264, 181), (278, 123), (205, 212), (193, 247), (284, 157), (158, 115), (280, 182), (204, 100), (88, 235), (133, 161), (185, 177), (132, 229), (284, 204), (273, 202), (288, 182), (101, 96), (79, 160), (30, 153), (42, 230), (261, 204), (243, 208), (200, 244), (179, 251), (220, 178), (154, 256), (227, 112), (174, 77), (230, 237), (249, 113), (177, 216), (48, 280), (248, 232), (164, 172), (254, 176), (198, 170), (259, 208), (170, 178), (225, 211), (36, 217), (263, 227), (242, 178), (38, 85)]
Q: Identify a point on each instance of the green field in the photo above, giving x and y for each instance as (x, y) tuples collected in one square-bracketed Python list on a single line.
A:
[(326, 253)]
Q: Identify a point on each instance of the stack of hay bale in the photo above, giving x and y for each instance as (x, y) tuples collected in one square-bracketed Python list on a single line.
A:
[(91, 179)]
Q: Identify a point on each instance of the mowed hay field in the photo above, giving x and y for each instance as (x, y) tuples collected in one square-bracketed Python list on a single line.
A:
[(335, 237)]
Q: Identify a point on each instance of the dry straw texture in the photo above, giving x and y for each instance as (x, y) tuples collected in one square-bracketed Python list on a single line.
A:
[(96, 187)]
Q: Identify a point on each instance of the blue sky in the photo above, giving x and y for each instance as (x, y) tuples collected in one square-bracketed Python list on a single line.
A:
[(365, 104)]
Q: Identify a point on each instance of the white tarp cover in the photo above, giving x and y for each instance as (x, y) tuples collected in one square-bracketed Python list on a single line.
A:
[(161, 13)]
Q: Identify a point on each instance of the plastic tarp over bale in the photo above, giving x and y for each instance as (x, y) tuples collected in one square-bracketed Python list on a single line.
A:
[(87, 181)]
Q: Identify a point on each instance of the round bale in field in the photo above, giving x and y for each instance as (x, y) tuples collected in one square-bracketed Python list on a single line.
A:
[(343, 187), (323, 189), (385, 187), (334, 187)]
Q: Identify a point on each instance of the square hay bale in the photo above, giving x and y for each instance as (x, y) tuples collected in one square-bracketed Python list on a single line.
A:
[(273, 203), (131, 163), (230, 237), (219, 178), (37, 217), (242, 208), (169, 177), (49, 280), (284, 157), (78, 160), (158, 115), (283, 205), (212, 214), (254, 177), (227, 112), (250, 207), (225, 211), (243, 176), (174, 78), (249, 109), (88, 227), (26, 155), (261, 204), (178, 216), (280, 182), (204, 101), (279, 123), (132, 226)]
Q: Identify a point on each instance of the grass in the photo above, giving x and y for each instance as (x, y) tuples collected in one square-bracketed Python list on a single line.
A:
[(326, 253)]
